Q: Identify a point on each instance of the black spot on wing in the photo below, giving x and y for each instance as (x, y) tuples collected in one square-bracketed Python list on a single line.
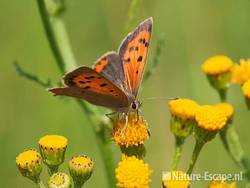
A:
[(139, 59), (87, 87), (142, 40), (103, 84)]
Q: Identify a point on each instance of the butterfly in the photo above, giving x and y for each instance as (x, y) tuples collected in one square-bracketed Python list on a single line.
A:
[(114, 80)]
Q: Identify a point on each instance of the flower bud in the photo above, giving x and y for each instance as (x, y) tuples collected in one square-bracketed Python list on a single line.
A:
[(59, 180), (52, 149), (80, 168), (30, 164)]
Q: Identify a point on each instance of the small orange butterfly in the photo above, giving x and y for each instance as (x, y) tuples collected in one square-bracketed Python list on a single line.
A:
[(115, 78)]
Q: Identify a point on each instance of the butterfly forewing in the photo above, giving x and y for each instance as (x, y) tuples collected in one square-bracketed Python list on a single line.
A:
[(133, 53), (87, 84)]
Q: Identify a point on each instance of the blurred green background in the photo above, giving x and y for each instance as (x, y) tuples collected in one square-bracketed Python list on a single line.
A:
[(194, 31)]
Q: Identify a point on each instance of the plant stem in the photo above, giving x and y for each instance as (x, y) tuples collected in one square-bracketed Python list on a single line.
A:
[(52, 170), (51, 35), (196, 152), (178, 152), (39, 183), (60, 46), (223, 94), (103, 144), (231, 142), (77, 185), (133, 13)]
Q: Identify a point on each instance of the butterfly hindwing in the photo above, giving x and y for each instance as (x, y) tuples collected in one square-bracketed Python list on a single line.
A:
[(111, 67), (87, 84), (133, 53)]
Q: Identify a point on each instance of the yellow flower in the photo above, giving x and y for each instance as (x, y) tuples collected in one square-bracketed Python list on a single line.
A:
[(52, 149), (222, 184), (241, 72), (175, 179), (81, 168), (132, 132), (30, 164), (217, 65), (183, 108), (227, 109), (210, 118), (132, 173), (246, 89), (59, 180)]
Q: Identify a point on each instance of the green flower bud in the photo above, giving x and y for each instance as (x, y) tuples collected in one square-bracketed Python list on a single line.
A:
[(30, 164), (59, 180), (80, 168), (53, 149)]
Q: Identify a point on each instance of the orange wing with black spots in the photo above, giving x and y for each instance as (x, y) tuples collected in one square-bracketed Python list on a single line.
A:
[(133, 53), (88, 84)]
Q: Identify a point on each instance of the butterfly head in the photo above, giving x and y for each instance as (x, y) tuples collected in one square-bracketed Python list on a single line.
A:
[(135, 105)]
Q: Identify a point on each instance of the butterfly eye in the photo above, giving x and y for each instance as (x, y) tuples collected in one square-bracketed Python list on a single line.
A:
[(134, 105)]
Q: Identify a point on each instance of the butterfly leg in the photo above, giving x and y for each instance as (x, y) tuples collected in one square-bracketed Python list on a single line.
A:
[(124, 117), (111, 116)]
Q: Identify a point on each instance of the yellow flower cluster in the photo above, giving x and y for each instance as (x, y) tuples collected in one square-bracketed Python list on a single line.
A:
[(246, 89), (132, 173), (130, 132), (241, 72), (227, 109), (210, 118), (175, 179), (28, 157), (222, 184), (53, 142), (59, 179), (217, 65), (30, 164), (183, 108)]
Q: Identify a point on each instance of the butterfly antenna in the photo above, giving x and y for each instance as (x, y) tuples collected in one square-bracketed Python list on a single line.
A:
[(160, 98)]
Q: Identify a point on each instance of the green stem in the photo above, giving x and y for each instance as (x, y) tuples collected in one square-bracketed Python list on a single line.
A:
[(60, 46), (39, 183), (196, 152), (133, 13), (52, 170), (77, 185), (103, 144), (223, 94), (231, 142), (178, 152), (51, 35)]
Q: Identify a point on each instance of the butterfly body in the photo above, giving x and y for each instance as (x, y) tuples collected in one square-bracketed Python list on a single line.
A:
[(115, 78)]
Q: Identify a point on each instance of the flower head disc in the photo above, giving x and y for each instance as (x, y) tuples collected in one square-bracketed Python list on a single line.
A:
[(59, 180), (175, 179), (210, 118), (52, 149), (132, 173), (81, 168), (132, 132), (183, 108), (30, 164), (227, 109), (222, 184), (241, 72), (217, 65)]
